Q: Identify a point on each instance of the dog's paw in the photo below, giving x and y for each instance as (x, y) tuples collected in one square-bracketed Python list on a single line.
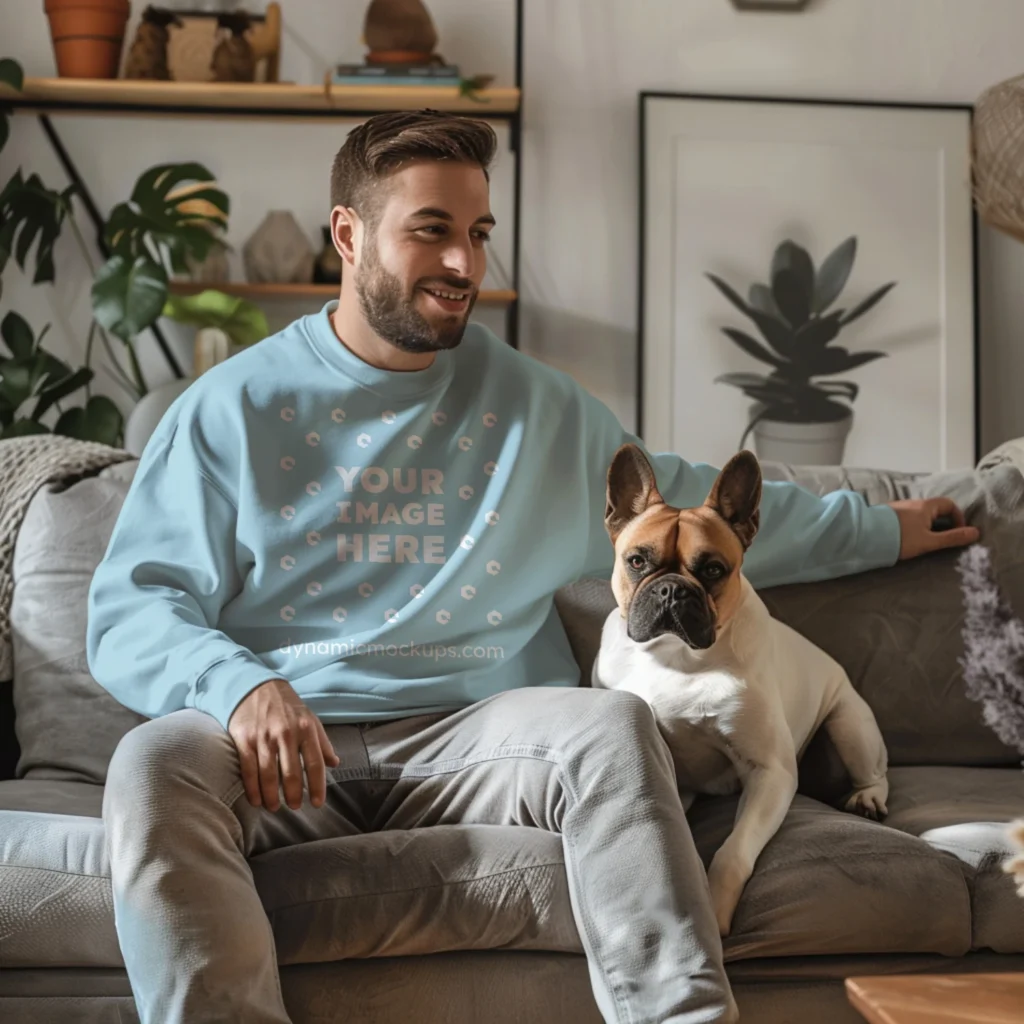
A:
[(870, 801)]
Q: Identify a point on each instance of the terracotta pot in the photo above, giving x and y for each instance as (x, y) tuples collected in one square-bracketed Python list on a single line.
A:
[(88, 36)]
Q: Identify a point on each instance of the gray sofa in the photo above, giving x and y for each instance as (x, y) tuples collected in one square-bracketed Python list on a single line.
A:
[(473, 924)]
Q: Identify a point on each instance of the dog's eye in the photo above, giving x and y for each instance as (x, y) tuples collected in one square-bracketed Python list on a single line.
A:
[(636, 561), (713, 571)]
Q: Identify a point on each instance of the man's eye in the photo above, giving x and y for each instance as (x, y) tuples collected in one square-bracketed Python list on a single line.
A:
[(636, 561), (483, 236)]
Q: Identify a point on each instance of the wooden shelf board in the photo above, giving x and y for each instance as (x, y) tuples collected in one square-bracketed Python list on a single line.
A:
[(230, 99), (255, 292)]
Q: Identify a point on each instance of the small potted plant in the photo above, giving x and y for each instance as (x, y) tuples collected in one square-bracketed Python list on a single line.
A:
[(797, 418)]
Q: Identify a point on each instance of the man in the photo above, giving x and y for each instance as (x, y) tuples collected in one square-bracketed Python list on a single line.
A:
[(336, 564)]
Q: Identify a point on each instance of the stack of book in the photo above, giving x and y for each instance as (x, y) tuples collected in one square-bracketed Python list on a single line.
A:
[(396, 74)]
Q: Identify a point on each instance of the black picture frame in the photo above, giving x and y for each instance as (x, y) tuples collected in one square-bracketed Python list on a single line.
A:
[(646, 96)]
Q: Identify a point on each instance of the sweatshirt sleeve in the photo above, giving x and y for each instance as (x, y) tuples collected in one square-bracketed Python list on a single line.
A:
[(802, 537), (155, 598)]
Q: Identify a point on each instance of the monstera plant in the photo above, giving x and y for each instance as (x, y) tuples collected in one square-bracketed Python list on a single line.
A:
[(163, 225), (797, 324)]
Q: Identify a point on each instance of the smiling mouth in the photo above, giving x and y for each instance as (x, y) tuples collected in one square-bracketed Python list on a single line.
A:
[(450, 300)]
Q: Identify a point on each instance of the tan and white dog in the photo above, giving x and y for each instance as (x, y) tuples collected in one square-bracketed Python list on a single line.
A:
[(736, 693)]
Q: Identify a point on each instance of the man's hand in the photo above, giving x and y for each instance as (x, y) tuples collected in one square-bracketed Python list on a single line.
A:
[(916, 534), (272, 725)]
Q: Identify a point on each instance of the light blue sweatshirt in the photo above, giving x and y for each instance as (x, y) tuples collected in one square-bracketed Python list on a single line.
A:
[(389, 542)]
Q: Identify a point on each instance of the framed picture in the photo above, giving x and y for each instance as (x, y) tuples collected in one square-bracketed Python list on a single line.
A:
[(808, 282)]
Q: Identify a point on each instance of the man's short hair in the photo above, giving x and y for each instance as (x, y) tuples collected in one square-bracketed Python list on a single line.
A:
[(380, 145)]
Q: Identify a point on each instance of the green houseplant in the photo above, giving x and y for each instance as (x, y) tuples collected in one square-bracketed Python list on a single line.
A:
[(807, 417), (165, 224)]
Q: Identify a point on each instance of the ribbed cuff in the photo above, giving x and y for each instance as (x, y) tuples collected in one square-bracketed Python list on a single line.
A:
[(225, 684), (882, 537)]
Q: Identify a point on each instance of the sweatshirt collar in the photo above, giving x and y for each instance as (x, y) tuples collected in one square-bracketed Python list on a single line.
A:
[(397, 383)]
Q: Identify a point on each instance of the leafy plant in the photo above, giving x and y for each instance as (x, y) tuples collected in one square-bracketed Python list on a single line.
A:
[(29, 375), (165, 224), (798, 326), (243, 322)]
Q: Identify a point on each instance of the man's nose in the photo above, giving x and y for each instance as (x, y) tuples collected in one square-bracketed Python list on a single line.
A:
[(459, 258)]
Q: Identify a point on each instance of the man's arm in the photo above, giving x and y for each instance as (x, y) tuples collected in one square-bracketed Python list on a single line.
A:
[(802, 537), (156, 596)]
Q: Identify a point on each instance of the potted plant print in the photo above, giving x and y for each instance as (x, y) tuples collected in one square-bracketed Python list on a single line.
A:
[(798, 416)]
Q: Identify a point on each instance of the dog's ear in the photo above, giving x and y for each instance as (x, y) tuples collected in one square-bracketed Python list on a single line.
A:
[(736, 496), (631, 489)]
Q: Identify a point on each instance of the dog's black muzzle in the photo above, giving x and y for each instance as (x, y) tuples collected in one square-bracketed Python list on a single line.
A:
[(671, 604)]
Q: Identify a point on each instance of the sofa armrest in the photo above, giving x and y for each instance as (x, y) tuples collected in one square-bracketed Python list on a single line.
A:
[(9, 749)]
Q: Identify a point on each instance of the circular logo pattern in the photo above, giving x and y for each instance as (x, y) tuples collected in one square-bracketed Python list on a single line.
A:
[(444, 617), (491, 518), (469, 592), (313, 588), (438, 419), (494, 568), (388, 416), (416, 590), (313, 488), (465, 443), (494, 618), (491, 468), (287, 414), (363, 440), (287, 613), (365, 589), (391, 615), (312, 439), (313, 537), (490, 419), (415, 441), (288, 512), (287, 562), (338, 415), (467, 542), (465, 492), (339, 615), (287, 462)]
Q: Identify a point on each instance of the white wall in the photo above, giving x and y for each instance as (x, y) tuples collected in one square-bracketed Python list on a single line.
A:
[(586, 60)]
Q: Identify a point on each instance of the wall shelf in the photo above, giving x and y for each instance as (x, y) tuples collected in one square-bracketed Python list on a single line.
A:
[(274, 101), (249, 99), (257, 292)]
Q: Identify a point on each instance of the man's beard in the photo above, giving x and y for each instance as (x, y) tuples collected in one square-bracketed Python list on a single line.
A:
[(394, 316)]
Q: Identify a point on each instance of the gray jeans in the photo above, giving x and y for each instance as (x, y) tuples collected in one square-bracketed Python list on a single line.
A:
[(587, 764)]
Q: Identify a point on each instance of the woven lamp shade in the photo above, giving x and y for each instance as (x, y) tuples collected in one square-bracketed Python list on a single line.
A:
[(999, 156)]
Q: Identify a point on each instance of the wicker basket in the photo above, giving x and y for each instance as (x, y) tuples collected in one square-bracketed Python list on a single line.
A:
[(999, 156)]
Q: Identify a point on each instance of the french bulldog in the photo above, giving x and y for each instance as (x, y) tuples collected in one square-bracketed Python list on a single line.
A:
[(736, 693)]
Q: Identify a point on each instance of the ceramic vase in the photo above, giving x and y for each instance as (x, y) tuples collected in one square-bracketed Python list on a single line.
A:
[(278, 251)]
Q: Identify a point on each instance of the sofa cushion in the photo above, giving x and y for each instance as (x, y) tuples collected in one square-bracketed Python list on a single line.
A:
[(67, 725), (385, 894), (896, 631), (406, 893), (964, 813), (57, 908), (831, 883)]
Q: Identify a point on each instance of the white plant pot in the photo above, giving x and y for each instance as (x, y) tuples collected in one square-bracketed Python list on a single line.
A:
[(802, 444)]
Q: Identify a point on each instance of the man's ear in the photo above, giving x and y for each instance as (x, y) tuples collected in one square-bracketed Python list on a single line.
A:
[(631, 489), (736, 496), (346, 233)]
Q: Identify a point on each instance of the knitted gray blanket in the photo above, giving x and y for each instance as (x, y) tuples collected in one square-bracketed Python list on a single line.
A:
[(26, 464)]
